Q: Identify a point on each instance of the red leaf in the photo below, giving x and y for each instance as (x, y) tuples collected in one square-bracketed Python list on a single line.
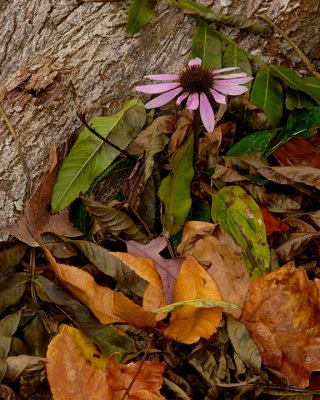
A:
[(272, 223)]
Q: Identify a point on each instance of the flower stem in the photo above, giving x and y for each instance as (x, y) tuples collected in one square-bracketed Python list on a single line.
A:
[(196, 138)]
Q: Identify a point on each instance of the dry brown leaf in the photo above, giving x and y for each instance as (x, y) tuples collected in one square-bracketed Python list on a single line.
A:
[(108, 306), (36, 218), (300, 151), (153, 297), (227, 174), (75, 370), (188, 324), (146, 386), (294, 245), (282, 314), (202, 241), (184, 126)]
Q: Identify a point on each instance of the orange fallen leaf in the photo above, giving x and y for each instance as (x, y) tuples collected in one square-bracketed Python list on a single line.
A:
[(75, 369), (219, 255), (282, 314), (108, 306), (272, 223), (146, 386), (188, 324)]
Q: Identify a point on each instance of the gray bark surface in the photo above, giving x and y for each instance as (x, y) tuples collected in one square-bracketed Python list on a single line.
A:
[(63, 56)]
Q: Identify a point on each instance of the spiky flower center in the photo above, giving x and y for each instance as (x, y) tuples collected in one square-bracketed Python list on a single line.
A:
[(196, 79)]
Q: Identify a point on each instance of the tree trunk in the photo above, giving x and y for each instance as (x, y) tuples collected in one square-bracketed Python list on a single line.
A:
[(64, 56)]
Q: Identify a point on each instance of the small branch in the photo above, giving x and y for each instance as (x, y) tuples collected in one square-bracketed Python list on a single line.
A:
[(126, 393), (303, 57), (85, 123), (20, 154)]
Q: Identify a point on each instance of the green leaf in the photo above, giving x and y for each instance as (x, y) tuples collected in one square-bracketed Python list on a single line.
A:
[(267, 95), (90, 156), (139, 14), (114, 221), (310, 85), (12, 256), (235, 57), (12, 287), (206, 46), (197, 303), (8, 326), (236, 21), (297, 99), (243, 343), (239, 215), (112, 266), (109, 339), (304, 123), (174, 190), (253, 143)]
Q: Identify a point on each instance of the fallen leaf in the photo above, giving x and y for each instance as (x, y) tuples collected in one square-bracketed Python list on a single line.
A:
[(23, 365), (189, 324), (222, 261), (299, 151), (146, 386), (75, 368), (282, 316), (36, 218), (168, 269), (183, 129), (12, 256), (227, 174), (197, 303), (294, 245), (272, 223), (108, 306)]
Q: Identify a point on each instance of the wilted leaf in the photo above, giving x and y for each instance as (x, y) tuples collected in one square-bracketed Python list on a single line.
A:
[(266, 94), (12, 287), (294, 245), (188, 324), (174, 190), (12, 256), (282, 316), (197, 303), (114, 221), (146, 386), (8, 327), (109, 339), (108, 306), (205, 364), (75, 368), (299, 152), (36, 218), (23, 365), (140, 13), (183, 128), (272, 223), (179, 394), (7, 393), (240, 216), (243, 344), (227, 174), (90, 156), (168, 269), (36, 335), (222, 261), (207, 46)]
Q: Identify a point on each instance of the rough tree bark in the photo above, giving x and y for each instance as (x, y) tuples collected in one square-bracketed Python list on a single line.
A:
[(63, 56)]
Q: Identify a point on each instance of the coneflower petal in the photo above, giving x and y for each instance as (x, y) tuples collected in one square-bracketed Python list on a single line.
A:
[(157, 88), (233, 90), (163, 98), (181, 98), (195, 61), (163, 77), (193, 101), (217, 71), (206, 113), (231, 76), (233, 82), (219, 98)]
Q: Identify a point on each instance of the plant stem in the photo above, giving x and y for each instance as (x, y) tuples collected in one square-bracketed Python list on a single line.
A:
[(196, 137), (303, 57)]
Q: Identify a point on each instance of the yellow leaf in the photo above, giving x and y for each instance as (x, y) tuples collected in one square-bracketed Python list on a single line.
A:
[(189, 324), (75, 369), (108, 306), (153, 297)]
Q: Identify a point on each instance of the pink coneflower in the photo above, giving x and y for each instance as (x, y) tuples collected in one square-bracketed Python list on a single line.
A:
[(197, 85)]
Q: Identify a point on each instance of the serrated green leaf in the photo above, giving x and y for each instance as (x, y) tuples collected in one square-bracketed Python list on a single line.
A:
[(236, 57), (310, 85), (297, 99), (243, 343), (207, 46), (197, 303), (90, 156), (253, 143), (12, 287), (174, 190), (235, 21), (107, 337), (12, 256), (8, 326), (240, 216), (267, 94), (112, 266), (114, 221), (139, 14)]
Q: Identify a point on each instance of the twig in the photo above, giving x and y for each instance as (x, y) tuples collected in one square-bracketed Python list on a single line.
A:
[(126, 393), (303, 57), (20, 154), (85, 123)]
